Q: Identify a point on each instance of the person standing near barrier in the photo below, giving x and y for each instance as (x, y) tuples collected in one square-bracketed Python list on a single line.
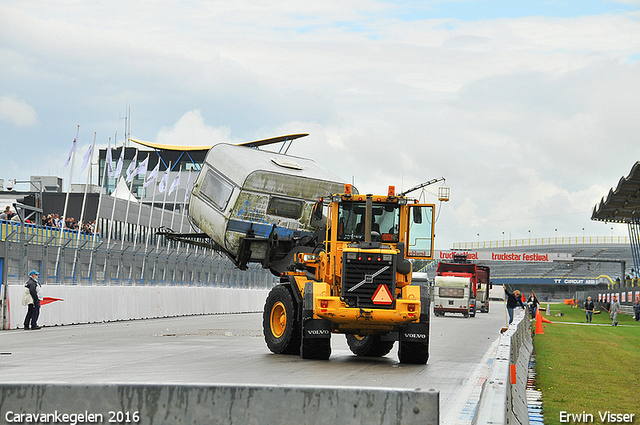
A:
[(589, 306), (613, 312), (513, 300), (534, 304), (636, 309), (33, 310)]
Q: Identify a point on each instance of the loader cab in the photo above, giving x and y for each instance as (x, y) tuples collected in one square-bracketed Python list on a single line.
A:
[(385, 222)]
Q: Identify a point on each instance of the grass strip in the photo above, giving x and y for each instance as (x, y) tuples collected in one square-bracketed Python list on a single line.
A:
[(590, 369)]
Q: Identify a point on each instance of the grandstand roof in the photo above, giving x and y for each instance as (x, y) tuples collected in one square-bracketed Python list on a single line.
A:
[(622, 204), (253, 144)]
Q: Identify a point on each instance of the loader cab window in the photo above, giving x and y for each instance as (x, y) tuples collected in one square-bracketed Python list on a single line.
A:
[(216, 189), (351, 221)]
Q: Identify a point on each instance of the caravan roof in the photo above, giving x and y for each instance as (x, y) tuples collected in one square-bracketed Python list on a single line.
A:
[(245, 167)]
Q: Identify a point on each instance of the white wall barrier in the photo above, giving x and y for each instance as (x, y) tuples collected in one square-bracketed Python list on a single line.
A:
[(503, 399), (220, 404), (91, 304)]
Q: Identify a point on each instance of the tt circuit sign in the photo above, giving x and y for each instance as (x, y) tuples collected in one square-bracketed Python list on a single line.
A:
[(508, 256)]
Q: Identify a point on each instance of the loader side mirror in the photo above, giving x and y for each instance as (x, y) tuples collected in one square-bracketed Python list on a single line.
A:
[(317, 210), (417, 215)]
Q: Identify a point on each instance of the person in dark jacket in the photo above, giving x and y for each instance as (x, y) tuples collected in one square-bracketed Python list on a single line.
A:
[(33, 311), (533, 304), (513, 300), (589, 306), (636, 309)]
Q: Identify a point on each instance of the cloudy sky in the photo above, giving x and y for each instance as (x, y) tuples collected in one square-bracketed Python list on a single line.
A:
[(529, 109)]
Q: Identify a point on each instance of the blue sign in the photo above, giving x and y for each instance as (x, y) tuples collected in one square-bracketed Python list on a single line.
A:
[(543, 281)]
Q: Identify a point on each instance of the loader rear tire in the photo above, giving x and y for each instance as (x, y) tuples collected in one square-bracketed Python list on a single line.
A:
[(279, 323), (369, 345)]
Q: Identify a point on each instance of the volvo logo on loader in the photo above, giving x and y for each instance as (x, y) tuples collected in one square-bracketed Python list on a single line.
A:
[(415, 336)]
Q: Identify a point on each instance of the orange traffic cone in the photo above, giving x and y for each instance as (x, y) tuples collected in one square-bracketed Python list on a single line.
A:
[(545, 320), (539, 323)]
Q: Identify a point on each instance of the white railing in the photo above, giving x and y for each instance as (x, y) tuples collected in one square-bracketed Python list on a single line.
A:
[(573, 240)]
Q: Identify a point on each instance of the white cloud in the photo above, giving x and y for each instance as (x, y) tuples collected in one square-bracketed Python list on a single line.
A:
[(191, 130), (527, 118), (17, 111)]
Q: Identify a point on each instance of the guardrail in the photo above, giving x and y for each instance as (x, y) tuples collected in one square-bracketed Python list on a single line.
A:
[(571, 240), (503, 399)]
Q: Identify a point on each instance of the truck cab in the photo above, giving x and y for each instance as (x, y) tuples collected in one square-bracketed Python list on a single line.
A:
[(455, 288)]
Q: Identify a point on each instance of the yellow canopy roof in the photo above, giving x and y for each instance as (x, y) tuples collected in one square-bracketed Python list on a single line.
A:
[(256, 143)]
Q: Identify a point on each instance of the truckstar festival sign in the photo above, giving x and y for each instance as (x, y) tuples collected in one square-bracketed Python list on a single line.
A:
[(535, 257)]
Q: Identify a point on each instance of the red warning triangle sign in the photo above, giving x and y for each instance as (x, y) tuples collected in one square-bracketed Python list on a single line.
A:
[(382, 296)]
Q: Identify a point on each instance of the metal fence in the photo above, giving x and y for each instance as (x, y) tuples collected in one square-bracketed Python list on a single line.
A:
[(66, 257)]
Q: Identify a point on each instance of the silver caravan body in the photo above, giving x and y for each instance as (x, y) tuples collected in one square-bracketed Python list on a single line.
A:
[(257, 205)]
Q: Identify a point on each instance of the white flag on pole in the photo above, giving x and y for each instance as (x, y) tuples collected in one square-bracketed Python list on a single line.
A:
[(119, 165), (175, 184), (72, 149), (152, 176), (132, 168), (163, 183), (186, 193), (110, 170), (143, 167), (87, 157)]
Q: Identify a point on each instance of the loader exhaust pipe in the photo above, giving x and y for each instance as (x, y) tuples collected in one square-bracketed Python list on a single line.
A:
[(368, 216)]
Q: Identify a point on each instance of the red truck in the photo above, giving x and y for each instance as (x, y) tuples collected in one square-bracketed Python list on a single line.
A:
[(456, 288)]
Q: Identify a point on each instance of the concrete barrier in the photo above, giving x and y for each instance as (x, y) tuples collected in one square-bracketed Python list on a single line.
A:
[(228, 405), (91, 304), (503, 399)]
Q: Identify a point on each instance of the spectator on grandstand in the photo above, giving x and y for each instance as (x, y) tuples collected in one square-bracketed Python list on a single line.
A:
[(6, 214), (513, 300), (589, 306), (533, 304)]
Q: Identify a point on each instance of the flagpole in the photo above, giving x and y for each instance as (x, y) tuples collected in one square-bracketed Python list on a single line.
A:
[(86, 187), (113, 209), (114, 201), (146, 243), (84, 201), (96, 229), (184, 207), (175, 199), (135, 236), (163, 204), (126, 216), (173, 214), (162, 217), (66, 201)]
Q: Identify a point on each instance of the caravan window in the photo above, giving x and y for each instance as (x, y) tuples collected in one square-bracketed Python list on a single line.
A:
[(215, 189), (287, 208)]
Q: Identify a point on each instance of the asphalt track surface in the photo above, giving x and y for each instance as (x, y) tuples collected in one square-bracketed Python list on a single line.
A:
[(230, 349)]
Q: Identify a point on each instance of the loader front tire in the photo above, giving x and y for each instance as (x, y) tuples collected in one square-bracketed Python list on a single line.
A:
[(279, 322)]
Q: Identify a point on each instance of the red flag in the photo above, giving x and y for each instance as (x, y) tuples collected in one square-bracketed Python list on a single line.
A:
[(48, 300)]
